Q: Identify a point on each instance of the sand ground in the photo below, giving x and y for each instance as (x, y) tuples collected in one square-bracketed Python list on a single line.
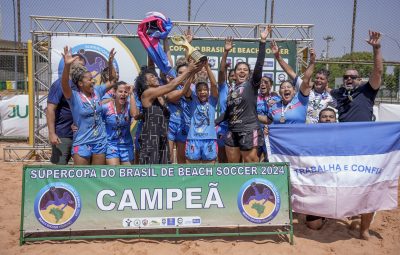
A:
[(333, 238)]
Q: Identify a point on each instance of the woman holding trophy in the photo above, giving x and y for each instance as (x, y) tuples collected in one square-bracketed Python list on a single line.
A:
[(153, 138)]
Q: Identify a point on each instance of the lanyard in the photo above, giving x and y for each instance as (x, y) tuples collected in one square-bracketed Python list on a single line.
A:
[(93, 106), (284, 110), (119, 117)]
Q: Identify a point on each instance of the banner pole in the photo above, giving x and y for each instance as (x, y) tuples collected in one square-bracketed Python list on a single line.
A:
[(21, 228), (30, 93)]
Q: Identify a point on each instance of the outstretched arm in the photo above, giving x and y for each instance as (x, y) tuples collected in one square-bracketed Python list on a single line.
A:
[(222, 68), (282, 63), (133, 111), (68, 60), (112, 74), (167, 51), (213, 82), (174, 96), (257, 74), (376, 76), (189, 38), (306, 85), (151, 93)]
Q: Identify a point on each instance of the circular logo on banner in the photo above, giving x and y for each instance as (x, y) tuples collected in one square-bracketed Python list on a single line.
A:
[(259, 201), (96, 59), (57, 205)]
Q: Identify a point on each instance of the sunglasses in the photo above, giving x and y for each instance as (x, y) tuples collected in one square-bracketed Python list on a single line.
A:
[(353, 77)]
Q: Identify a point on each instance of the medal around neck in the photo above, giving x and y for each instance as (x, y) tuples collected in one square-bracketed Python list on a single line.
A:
[(194, 53), (282, 119)]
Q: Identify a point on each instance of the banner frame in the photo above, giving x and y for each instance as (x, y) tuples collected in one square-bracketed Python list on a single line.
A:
[(177, 234)]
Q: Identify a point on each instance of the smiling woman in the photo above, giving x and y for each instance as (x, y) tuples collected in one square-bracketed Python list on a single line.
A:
[(89, 144)]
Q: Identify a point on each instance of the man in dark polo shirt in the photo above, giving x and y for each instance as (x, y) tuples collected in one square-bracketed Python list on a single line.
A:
[(355, 102), (59, 121)]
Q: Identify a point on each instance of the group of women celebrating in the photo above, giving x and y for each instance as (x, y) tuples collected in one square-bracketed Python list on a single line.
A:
[(180, 111)]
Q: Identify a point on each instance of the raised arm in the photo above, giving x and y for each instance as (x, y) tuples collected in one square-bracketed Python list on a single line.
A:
[(376, 75), (282, 63), (306, 85), (257, 74), (189, 38), (133, 111), (151, 93), (68, 60), (167, 51), (213, 82), (112, 74), (222, 69), (174, 96)]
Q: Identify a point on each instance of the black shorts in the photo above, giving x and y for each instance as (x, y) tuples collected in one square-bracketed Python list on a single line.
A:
[(245, 140)]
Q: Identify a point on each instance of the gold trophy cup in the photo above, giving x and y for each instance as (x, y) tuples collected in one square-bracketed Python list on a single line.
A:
[(194, 53)]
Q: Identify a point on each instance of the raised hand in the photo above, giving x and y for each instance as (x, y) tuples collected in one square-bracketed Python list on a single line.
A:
[(188, 35), (374, 39), (264, 34), (229, 43), (312, 56), (274, 47), (111, 55), (68, 59)]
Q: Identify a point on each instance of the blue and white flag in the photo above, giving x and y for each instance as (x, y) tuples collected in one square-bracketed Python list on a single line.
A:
[(340, 169)]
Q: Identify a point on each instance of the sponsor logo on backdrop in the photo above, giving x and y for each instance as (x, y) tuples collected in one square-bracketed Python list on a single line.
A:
[(57, 205), (96, 59), (258, 201)]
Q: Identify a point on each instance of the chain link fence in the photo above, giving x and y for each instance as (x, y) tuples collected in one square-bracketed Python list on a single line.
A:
[(333, 22)]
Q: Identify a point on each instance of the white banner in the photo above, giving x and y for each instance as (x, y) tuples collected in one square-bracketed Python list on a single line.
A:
[(14, 116), (340, 169)]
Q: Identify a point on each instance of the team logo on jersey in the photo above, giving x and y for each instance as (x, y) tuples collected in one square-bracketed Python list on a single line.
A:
[(258, 201)]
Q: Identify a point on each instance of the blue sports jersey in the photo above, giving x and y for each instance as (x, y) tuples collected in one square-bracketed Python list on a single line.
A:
[(109, 94), (117, 125), (176, 111), (202, 121), (294, 112), (88, 116), (263, 104)]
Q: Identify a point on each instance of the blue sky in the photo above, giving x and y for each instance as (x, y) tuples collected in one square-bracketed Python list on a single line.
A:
[(329, 17)]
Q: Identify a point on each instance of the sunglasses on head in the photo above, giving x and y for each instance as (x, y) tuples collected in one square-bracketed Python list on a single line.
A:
[(353, 77)]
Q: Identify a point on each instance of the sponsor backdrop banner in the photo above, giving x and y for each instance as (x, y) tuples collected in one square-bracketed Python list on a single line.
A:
[(105, 197), (340, 169), (131, 55)]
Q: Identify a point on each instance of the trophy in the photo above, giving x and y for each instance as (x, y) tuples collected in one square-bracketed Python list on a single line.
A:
[(193, 53)]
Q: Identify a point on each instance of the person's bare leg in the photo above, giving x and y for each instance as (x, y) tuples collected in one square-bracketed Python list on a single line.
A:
[(366, 220), (189, 161), (250, 156), (233, 154), (113, 161), (171, 145), (222, 158), (78, 160), (180, 153), (98, 159), (315, 224), (127, 163)]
